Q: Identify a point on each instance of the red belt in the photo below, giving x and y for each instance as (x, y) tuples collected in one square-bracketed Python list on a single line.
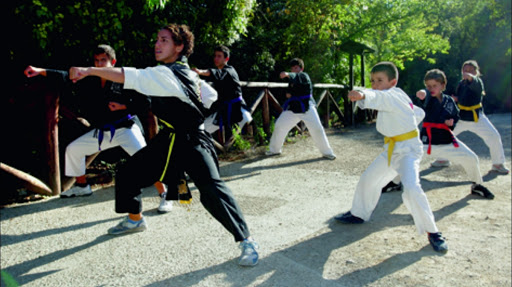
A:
[(429, 127)]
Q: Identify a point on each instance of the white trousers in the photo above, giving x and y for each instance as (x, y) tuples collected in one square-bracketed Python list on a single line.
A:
[(131, 140), (211, 128), (288, 119), (488, 133), (405, 162), (462, 155)]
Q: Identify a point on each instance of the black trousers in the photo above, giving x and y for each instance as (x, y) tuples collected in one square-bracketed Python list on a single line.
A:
[(191, 152)]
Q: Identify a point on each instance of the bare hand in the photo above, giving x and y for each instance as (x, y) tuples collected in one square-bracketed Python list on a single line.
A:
[(468, 76), (288, 95), (115, 106), (33, 71), (421, 94), (78, 73), (283, 75), (449, 122), (355, 96)]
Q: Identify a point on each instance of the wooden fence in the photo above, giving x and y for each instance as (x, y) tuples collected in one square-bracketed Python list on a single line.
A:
[(265, 100)]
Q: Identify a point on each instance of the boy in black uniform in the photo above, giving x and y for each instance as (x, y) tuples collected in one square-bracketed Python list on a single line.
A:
[(112, 115), (182, 144), (299, 106), (230, 107), (441, 117)]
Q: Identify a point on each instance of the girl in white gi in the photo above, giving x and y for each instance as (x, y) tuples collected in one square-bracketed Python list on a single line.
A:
[(396, 120), (469, 94), (300, 106), (441, 118)]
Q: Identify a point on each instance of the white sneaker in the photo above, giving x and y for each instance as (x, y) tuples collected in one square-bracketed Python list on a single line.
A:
[(329, 156), (128, 226), (165, 205), (440, 163), (271, 153), (500, 168), (249, 255), (77, 191)]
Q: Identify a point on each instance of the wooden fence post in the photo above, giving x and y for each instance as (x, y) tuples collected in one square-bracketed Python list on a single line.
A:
[(265, 112), (51, 100)]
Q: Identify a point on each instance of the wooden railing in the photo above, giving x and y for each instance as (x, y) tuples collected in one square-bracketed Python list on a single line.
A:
[(266, 100)]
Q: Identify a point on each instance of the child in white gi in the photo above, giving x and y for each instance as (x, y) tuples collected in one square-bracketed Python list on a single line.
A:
[(441, 118), (300, 106), (469, 95), (396, 120)]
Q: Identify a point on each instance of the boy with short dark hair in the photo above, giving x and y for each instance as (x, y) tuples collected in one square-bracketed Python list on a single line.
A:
[(397, 120), (112, 114), (230, 107), (442, 115), (299, 106)]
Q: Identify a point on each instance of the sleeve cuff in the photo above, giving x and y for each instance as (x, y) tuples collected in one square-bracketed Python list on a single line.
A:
[(130, 74)]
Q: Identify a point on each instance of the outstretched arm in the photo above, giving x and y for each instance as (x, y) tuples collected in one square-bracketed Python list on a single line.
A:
[(200, 72), (31, 71), (111, 74)]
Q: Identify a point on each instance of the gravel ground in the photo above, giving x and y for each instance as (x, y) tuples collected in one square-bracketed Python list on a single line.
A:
[(289, 202)]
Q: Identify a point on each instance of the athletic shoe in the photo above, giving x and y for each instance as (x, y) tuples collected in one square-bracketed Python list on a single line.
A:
[(481, 190), (440, 163), (500, 168), (165, 205), (438, 242), (391, 186), (348, 218), (249, 255), (271, 153), (77, 191), (329, 156), (128, 226)]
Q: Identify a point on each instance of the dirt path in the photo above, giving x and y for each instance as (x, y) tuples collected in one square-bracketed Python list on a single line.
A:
[(289, 202)]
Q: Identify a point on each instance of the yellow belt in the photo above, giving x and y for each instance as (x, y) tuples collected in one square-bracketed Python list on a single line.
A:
[(172, 135), (398, 138), (182, 188), (473, 109)]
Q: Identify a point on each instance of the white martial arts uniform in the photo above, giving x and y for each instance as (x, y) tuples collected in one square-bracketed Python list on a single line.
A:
[(288, 119), (485, 130), (211, 127), (130, 139), (396, 116)]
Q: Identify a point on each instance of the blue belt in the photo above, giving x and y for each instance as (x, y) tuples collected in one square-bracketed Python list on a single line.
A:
[(230, 110), (296, 98), (112, 128)]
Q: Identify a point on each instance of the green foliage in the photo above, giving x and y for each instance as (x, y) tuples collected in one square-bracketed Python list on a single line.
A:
[(478, 30), (239, 142), (55, 34), (265, 34)]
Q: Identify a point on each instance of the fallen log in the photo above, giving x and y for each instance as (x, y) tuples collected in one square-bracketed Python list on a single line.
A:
[(29, 182)]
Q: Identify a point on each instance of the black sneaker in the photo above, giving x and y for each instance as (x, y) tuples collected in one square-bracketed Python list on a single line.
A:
[(481, 190), (438, 242), (348, 218), (391, 186)]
